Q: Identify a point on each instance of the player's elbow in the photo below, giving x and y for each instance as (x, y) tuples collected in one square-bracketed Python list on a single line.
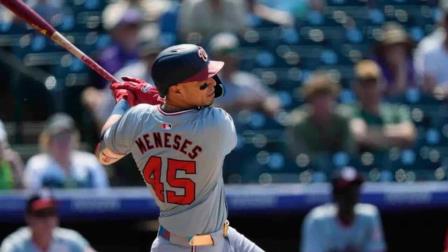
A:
[(106, 156)]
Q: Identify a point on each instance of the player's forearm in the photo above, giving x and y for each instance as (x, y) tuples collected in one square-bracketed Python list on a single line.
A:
[(109, 122), (120, 108), (103, 154)]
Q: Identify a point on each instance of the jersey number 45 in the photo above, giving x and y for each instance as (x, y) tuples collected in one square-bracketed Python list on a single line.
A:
[(152, 174)]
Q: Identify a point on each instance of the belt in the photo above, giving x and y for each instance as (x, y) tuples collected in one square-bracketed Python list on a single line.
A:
[(196, 240)]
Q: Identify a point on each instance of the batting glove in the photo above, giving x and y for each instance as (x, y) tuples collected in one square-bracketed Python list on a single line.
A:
[(142, 91), (124, 94)]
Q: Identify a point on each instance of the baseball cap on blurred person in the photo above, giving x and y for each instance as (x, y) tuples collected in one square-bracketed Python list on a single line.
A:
[(117, 14), (59, 123), (224, 43), (346, 178), (366, 70), (320, 83), (41, 204), (393, 33)]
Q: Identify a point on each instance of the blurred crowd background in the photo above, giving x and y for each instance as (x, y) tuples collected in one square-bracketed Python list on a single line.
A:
[(312, 85)]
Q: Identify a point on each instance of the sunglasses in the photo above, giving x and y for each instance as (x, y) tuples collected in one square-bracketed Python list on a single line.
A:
[(203, 86)]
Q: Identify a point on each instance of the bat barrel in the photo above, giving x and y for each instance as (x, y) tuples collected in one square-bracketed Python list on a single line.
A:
[(30, 16)]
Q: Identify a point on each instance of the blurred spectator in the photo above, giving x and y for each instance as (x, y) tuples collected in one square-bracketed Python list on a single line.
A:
[(201, 19), (148, 47), (316, 127), (61, 165), (150, 9), (243, 90), (378, 125), (296, 8), (267, 13), (394, 56), (6, 16), (102, 102), (431, 58), (123, 26), (42, 232), (168, 24), (11, 165), (52, 11), (344, 225)]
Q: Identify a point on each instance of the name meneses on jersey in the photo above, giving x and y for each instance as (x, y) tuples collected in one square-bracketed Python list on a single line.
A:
[(152, 140)]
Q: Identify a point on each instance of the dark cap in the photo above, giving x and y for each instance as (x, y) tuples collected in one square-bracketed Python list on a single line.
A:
[(41, 205), (346, 178), (59, 123), (183, 63)]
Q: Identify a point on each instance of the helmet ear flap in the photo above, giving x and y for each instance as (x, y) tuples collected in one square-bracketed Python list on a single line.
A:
[(219, 88)]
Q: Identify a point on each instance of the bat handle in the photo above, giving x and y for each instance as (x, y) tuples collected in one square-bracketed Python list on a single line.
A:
[(65, 43)]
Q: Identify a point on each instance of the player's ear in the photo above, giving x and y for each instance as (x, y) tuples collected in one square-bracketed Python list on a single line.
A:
[(175, 89)]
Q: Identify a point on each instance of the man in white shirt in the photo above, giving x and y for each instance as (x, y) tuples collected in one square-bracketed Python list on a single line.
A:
[(345, 225), (61, 164), (42, 233)]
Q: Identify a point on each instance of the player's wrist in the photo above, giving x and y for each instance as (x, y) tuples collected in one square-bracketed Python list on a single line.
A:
[(121, 107)]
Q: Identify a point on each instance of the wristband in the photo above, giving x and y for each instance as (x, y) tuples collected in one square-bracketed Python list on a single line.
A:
[(121, 107)]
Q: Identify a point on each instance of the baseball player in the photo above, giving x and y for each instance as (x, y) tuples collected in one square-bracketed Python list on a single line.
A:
[(179, 147), (42, 232), (345, 225)]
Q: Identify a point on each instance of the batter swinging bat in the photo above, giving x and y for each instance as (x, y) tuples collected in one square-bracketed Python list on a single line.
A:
[(35, 20)]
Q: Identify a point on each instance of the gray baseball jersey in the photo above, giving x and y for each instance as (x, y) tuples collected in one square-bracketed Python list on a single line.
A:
[(180, 157)]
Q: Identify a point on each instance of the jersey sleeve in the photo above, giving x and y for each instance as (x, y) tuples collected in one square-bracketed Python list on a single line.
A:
[(376, 239), (311, 235), (222, 124), (118, 138)]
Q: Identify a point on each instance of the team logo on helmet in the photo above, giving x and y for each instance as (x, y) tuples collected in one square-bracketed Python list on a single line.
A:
[(202, 54)]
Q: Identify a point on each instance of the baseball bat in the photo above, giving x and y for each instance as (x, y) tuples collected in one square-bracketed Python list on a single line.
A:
[(37, 22)]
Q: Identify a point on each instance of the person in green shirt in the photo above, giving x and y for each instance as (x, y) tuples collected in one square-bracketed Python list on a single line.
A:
[(317, 127), (378, 125), (11, 165)]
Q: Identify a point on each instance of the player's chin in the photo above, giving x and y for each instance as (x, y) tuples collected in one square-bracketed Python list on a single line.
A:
[(210, 101)]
